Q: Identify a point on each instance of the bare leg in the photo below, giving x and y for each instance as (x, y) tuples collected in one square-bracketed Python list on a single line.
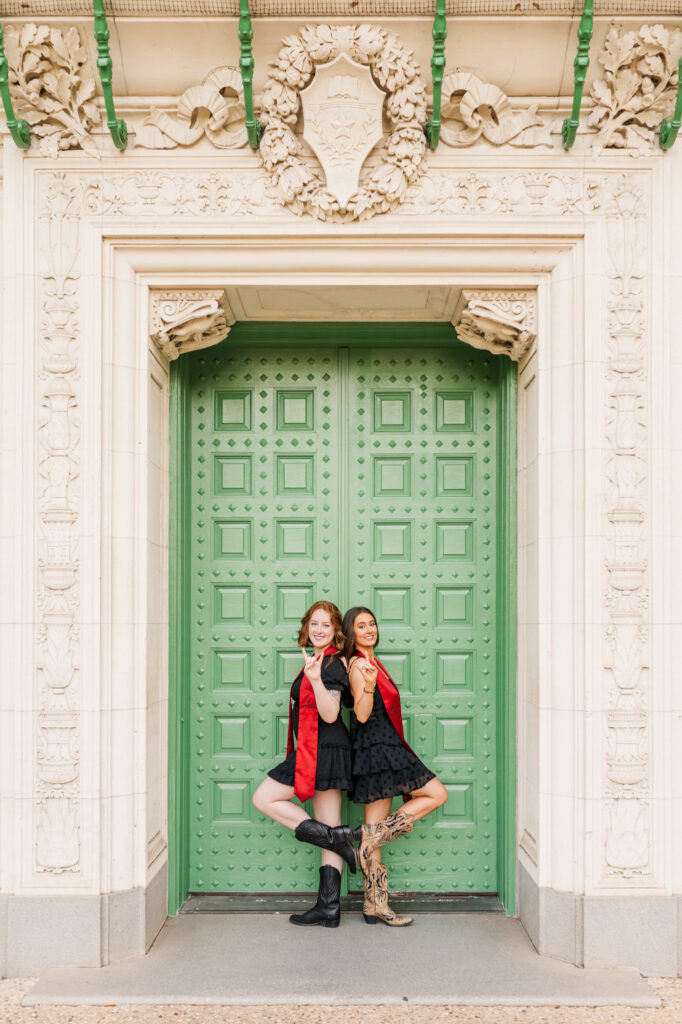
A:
[(327, 808), (276, 800), (374, 813), (427, 799)]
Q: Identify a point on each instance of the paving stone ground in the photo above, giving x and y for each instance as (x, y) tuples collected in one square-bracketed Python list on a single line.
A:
[(12, 1012)]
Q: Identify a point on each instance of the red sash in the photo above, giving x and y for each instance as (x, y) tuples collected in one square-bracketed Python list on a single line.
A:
[(306, 745), (391, 698)]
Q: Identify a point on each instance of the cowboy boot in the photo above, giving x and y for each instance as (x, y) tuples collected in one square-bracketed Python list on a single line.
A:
[(337, 838), (376, 908), (371, 837), (327, 910)]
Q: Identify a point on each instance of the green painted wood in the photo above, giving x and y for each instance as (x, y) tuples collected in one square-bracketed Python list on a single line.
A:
[(423, 514), (179, 639), (266, 531)]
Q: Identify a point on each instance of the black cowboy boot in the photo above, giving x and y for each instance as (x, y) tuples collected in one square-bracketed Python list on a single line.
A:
[(337, 838), (327, 910)]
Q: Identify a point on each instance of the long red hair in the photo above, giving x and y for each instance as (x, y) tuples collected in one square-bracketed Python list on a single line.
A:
[(336, 621)]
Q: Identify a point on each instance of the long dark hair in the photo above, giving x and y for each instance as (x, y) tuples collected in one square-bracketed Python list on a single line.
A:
[(348, 629)]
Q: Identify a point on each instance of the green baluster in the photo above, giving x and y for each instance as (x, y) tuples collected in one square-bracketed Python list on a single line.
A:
[(254, 130), (581, 63), (440, 31), (671, 125), (18, 129), (117, 128)]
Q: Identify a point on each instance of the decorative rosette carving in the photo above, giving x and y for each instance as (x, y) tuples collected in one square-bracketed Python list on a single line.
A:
[(300, 187)]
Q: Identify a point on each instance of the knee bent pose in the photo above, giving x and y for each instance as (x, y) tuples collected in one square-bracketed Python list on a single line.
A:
[(319, 765), (384, 766)]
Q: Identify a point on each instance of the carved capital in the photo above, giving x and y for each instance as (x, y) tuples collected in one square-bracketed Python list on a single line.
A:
[(185, 320), (503, 322)]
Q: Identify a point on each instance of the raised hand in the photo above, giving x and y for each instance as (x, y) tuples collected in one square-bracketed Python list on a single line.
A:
[(369, 671), (312, 667)]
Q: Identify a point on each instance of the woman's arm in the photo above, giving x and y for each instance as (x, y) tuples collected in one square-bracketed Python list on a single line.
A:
[(363, 680), (328, 701)]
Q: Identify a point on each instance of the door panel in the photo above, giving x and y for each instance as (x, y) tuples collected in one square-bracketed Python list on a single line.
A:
[(422, 514), (358, 475), (264, 537)]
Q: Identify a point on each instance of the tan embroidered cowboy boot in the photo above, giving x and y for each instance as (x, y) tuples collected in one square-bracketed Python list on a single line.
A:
[(376, 906), (371, 837)]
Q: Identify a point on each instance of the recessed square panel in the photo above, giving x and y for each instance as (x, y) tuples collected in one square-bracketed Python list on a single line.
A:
[(454, 410), (392, 542), (232, 538), (295, 410), (280, 733), (292, 602), (232, 604), (295, 474), (399, 667), (454, 736), (287, 666), (454, 540), (454, 606), (454, 475), (459, 809), (392, 476), (455, 669), (232, 474), (294, 538), (231, 668), (231, 802), (232, 410), (392, 411), (393, 605), (231, 734)]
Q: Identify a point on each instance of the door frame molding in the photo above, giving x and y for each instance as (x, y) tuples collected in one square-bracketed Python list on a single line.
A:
[(179, 574)]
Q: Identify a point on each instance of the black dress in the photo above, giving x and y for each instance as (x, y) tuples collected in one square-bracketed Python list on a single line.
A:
[(333, 770), (382, 767)]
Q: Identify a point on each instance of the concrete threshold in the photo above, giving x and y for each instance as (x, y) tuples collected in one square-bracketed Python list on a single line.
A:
[(252, 959)]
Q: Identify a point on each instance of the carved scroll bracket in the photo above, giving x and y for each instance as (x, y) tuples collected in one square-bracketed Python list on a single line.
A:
[(503, 322), (185, 320)]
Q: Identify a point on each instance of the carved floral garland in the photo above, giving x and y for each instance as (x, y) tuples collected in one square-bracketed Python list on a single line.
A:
[(395, 70)]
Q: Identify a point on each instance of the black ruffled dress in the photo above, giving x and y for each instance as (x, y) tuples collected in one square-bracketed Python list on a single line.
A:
[(333, 770), (382, 767)]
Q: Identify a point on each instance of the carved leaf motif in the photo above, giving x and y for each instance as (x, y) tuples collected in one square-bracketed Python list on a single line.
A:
[(639, 86), (48, 71)]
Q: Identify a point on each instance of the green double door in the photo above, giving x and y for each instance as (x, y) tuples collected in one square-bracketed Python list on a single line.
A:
[(361, 474)]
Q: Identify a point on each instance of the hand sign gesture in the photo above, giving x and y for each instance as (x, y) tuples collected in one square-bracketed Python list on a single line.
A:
[(312, 666), (369, 671)]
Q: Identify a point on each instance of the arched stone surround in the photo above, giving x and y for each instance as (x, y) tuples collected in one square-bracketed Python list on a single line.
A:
[(598, 811)]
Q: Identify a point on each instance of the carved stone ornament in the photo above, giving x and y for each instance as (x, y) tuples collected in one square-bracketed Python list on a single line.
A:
[(394, 69), (342, 122), (473, 108), (53, 87), (214, 109), (187, 320), (502, 322), (638, 89)]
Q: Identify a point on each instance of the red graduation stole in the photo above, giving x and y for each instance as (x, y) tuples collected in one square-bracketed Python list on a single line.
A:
[(391, 698), (306, 746)]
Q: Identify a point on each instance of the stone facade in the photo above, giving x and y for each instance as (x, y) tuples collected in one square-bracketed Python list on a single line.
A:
[(114, 264)]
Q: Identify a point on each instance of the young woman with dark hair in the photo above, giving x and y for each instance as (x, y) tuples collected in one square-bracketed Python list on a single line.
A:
[(318, 763), (384, 766)]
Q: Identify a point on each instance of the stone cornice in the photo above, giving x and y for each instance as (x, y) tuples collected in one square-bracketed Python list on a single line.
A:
[(333, 8)]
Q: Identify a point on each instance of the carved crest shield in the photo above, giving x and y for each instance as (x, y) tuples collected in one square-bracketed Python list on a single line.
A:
[(342, 122)]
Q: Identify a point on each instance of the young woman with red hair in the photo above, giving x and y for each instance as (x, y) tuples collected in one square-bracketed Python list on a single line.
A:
[(318, 765)]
